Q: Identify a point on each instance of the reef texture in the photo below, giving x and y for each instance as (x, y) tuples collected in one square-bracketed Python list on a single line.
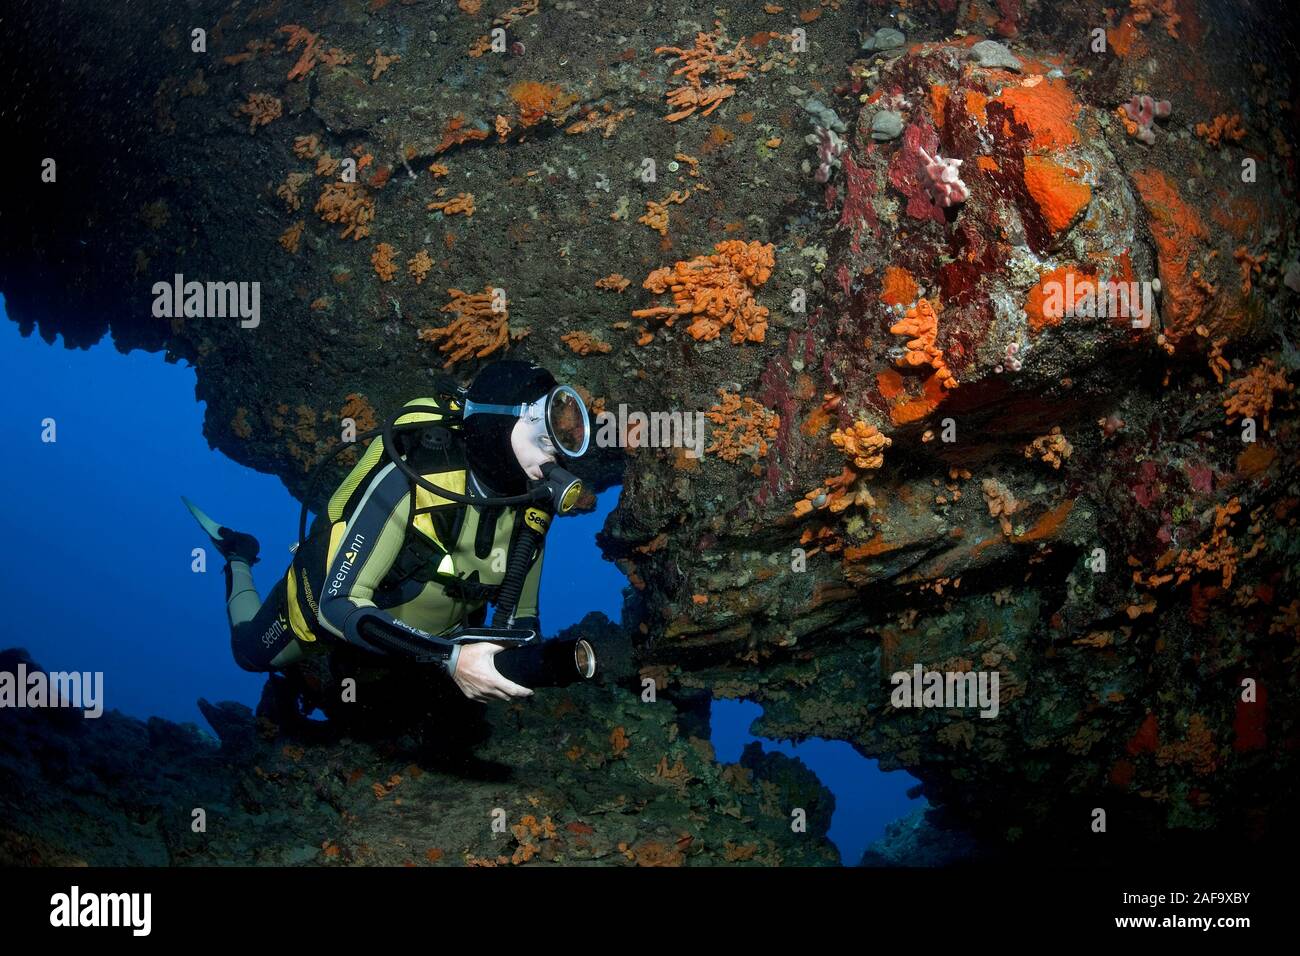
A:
[(918, 452), (578, 776)]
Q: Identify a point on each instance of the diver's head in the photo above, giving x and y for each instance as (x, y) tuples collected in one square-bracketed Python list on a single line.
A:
[(517, 421)]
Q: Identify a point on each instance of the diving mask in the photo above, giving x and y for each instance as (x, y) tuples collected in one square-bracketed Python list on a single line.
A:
[(558, 422)]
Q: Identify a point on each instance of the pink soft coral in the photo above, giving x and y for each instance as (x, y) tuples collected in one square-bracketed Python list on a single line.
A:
[(944, 179), (930, 182), (829, 148), (1143, 110)]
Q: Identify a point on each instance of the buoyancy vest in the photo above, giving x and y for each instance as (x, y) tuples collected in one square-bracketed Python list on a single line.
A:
[(436, 528)]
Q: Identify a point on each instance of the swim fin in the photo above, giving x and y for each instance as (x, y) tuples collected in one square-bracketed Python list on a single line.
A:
[(231, 543)]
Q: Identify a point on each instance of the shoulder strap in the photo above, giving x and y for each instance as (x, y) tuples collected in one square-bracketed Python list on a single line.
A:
[(420, 557)]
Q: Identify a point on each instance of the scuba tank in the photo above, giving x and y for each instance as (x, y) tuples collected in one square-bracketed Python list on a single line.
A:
[(558, 487)]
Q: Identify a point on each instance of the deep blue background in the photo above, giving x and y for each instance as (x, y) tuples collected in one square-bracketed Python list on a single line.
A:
[(98, 548)]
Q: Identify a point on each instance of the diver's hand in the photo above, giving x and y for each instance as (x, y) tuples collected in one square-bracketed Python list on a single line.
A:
[(477, 677)]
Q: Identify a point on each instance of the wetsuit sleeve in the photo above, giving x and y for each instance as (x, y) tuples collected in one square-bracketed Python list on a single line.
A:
[(528, 612), (370, 545)]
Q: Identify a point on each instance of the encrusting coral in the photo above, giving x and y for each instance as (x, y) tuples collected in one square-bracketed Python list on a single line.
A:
[(922, 324), (288, 190), (1222, 127), (261, 108), (314, 52), (326, 165), (291, 238), (362, 413), (1052, 448), (1214, 354), (744, 427), (382, 260), (348, 204), (1002, 504), (306, 147), (460, 204), (481, 326), (456, 132), (584, 343), (1251, 396), (419, 265), (839, 493), (1217, 554), (656, 211), (607, 121), (381, 63), (1250, 265), (300, 36), (707, 75), (718, 290), (525, 8), (863, 443)]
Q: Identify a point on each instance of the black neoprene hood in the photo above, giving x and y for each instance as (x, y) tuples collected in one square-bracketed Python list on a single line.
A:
[(487, 436)]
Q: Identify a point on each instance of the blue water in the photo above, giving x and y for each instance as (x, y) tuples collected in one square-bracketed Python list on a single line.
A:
[(99, 571), (99, 578), (866, 798)]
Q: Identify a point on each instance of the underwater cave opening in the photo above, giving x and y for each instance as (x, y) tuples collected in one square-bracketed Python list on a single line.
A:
[(105, 563), (105, 566), (867, 798), (106, 570)]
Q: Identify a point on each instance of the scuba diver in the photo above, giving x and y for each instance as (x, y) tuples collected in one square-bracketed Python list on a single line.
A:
[(445, 511)]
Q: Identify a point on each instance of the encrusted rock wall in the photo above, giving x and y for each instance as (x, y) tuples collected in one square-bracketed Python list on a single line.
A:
[(847, 258)]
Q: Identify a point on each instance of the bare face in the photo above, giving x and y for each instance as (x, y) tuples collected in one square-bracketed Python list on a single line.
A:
[(531, 443)]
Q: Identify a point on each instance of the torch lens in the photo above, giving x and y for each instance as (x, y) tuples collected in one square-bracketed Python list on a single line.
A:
[(585, 658)]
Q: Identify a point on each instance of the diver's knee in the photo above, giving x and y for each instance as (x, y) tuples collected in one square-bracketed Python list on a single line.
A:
[(237, 643), (290, 654), (245, 663)]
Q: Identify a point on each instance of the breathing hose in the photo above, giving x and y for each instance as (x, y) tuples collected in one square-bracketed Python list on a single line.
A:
[(388, 432), (536, 522)]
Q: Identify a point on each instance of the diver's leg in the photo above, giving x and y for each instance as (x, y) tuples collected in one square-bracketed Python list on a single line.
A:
[(260, 636), (264, 641), (242, 602)]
